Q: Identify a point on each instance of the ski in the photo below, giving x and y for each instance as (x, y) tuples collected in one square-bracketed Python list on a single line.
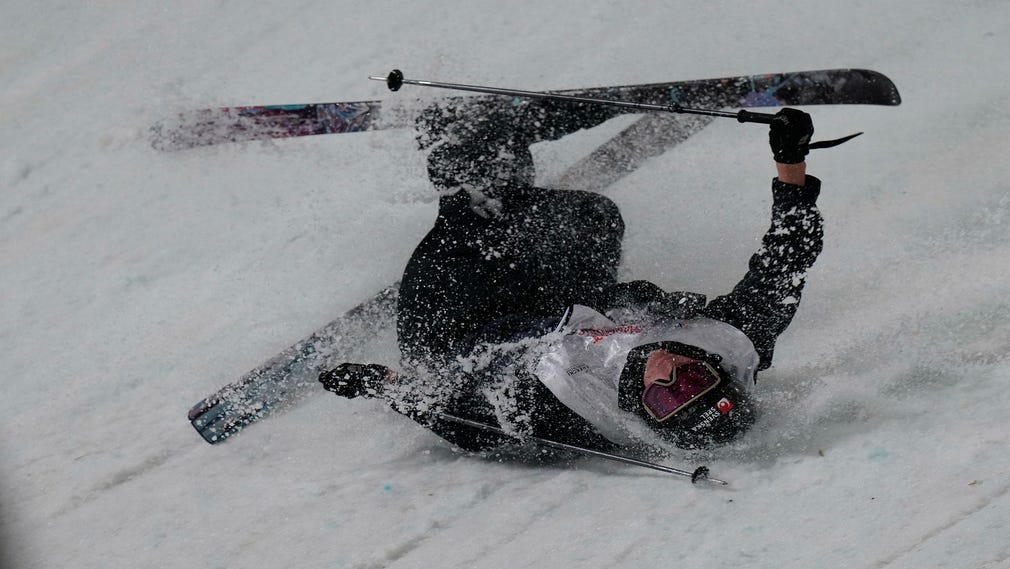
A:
[(204, 127), (283, 379), (286, 378)]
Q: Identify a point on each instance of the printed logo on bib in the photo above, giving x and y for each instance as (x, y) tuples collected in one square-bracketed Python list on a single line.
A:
[(598, 334), (577, 369)]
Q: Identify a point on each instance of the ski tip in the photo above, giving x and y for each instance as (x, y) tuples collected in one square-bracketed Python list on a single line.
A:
[(216, 420), (883, 84)]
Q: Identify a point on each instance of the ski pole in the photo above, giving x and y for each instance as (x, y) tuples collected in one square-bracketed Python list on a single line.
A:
[(395, 80), (700, 473)]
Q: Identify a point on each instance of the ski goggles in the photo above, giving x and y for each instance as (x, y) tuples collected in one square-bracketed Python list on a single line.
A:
[(687, 383)]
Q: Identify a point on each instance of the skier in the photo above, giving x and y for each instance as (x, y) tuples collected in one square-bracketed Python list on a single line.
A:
[(510, 312)]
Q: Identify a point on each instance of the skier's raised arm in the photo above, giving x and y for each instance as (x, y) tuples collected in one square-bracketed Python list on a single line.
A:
[(763, 303)]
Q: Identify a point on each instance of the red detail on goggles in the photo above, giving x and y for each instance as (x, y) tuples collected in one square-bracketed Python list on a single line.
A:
[(686, 384)]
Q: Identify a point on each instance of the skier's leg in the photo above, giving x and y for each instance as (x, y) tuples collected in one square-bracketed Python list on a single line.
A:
[(566, 246), (498, 244)]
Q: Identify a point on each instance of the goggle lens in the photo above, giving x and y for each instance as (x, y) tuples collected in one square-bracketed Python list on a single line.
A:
[(688, 382)]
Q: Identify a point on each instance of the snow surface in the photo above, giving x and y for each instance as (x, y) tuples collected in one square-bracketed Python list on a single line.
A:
[(135, 282)]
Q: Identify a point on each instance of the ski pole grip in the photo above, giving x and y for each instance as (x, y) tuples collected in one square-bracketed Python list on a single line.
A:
[(747, 116)]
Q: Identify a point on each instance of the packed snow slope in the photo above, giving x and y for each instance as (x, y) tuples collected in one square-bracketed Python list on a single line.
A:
[(134, 282)]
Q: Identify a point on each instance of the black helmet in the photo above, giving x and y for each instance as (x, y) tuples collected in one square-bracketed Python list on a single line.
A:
[(704, 407)]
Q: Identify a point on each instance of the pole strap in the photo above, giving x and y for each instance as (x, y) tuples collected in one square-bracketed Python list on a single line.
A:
[(835, 142)]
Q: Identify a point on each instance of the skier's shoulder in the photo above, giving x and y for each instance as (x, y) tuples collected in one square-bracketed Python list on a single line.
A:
[(650, 298)]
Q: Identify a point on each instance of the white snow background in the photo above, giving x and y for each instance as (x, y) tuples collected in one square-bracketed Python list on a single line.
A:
[(134, 282)]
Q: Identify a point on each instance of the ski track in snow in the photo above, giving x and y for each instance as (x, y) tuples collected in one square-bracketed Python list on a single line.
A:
[(135, 282)]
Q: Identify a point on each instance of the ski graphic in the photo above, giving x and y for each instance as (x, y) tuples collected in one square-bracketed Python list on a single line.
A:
[(204, 127)]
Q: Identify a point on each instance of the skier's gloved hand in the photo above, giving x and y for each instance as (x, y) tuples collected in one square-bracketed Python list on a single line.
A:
[(789, 136), (354, 380)]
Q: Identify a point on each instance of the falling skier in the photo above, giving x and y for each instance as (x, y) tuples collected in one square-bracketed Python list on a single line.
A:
[(510, 313)]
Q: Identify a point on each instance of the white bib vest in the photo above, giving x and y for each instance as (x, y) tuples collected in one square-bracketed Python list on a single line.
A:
[(582, 367)]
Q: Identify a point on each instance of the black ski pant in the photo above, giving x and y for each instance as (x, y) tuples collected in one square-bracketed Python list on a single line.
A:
[(543, 251)]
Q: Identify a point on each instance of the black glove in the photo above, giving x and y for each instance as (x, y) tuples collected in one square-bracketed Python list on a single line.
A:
[(354, 380), (789, 136)]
